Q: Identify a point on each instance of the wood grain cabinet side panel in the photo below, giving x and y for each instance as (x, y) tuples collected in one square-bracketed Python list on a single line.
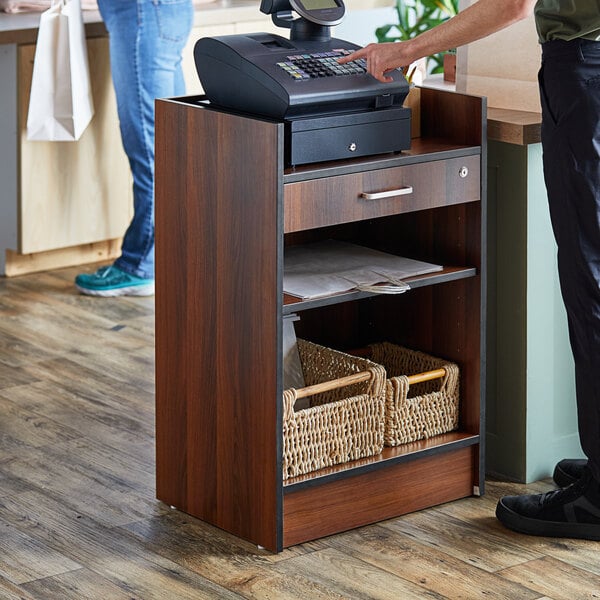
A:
[(218, 299)]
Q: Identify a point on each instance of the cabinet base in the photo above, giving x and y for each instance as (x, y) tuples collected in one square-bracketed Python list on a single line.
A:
[(322, 510)]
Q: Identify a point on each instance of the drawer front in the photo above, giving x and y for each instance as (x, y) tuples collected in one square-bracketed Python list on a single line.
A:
[(372, 194)]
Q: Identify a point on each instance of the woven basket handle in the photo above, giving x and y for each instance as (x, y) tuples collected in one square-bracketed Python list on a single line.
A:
[(426, 376), (334, 384), (290, 396)]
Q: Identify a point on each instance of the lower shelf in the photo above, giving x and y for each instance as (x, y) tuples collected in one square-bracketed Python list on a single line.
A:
[(389, 456), (389, 491)]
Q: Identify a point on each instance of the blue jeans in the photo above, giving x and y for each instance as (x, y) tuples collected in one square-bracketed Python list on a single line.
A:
[(570, 94), (146, 41)]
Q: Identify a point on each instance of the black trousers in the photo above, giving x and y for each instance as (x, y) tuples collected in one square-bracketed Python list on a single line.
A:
[(569, 81)]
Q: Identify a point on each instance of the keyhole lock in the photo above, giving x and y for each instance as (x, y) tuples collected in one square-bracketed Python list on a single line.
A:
[(352, 147), (463, 172)]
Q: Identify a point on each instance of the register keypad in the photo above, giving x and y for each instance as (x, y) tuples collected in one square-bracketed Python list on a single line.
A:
[(321, 64)]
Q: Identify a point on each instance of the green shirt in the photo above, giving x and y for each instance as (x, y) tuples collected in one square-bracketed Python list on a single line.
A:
[(567, 19)]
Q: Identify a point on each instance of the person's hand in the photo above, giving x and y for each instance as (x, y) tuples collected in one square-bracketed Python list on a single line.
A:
[(381, 58)]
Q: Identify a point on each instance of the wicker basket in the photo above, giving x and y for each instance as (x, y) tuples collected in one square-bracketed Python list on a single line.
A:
[(421, 394), (345, 419)]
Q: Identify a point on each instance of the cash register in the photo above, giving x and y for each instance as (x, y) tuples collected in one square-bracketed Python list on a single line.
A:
[(330, 111)]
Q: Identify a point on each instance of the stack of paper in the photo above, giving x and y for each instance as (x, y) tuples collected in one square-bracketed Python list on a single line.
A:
[(331, 267)]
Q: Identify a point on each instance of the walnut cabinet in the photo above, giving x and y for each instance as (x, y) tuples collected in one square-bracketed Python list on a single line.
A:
[(226, 210)]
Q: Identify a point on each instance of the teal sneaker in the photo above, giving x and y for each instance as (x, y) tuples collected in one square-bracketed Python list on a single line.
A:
[(112, 281)]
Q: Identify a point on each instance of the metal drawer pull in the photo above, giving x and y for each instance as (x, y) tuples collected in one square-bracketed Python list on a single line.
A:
[(388, 194)]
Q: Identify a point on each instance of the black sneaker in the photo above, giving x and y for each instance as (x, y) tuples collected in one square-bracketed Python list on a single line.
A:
[(569, 471), (572, 512)]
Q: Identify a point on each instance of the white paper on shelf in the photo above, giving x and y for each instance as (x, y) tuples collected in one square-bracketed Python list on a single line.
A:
[(292, 366), (332, 267)]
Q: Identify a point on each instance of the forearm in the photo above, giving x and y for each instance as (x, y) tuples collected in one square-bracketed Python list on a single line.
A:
[(475, 22)]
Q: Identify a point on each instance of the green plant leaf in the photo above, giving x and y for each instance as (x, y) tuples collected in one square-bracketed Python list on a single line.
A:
[(383, 31), (416, 17)]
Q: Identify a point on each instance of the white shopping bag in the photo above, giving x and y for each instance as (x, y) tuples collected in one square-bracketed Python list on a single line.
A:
[(60, 103)]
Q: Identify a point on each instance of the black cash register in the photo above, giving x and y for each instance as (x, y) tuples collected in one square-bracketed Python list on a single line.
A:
[(330, 111)]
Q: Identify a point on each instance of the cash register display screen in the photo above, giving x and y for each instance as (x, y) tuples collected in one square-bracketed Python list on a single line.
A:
[(322, 12), (318, 4)]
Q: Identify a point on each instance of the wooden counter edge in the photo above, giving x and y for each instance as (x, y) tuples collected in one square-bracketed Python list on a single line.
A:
[(514, 126)]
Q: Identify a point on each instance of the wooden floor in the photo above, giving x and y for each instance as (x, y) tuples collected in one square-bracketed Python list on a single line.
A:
[(79, 519)]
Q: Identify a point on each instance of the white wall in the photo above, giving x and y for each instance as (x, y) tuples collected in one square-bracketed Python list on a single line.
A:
[(359, 25)]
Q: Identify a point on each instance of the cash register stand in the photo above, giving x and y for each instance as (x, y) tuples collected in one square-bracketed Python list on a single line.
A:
[(226, 208)]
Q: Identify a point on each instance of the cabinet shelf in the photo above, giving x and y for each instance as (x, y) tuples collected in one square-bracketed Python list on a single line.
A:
[(446, 442), (291, 304)]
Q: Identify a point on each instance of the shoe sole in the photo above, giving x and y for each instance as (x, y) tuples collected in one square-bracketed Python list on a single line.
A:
[(133, 290), (512, 520)]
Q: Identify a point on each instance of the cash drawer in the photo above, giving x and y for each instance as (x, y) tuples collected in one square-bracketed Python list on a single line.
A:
[(380, 193)]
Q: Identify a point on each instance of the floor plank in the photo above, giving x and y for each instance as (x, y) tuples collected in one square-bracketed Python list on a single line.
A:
[(427, 567), (556, 578), (24, 559), (353, 577), (479, 543), (76, 585), (11, 591)]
